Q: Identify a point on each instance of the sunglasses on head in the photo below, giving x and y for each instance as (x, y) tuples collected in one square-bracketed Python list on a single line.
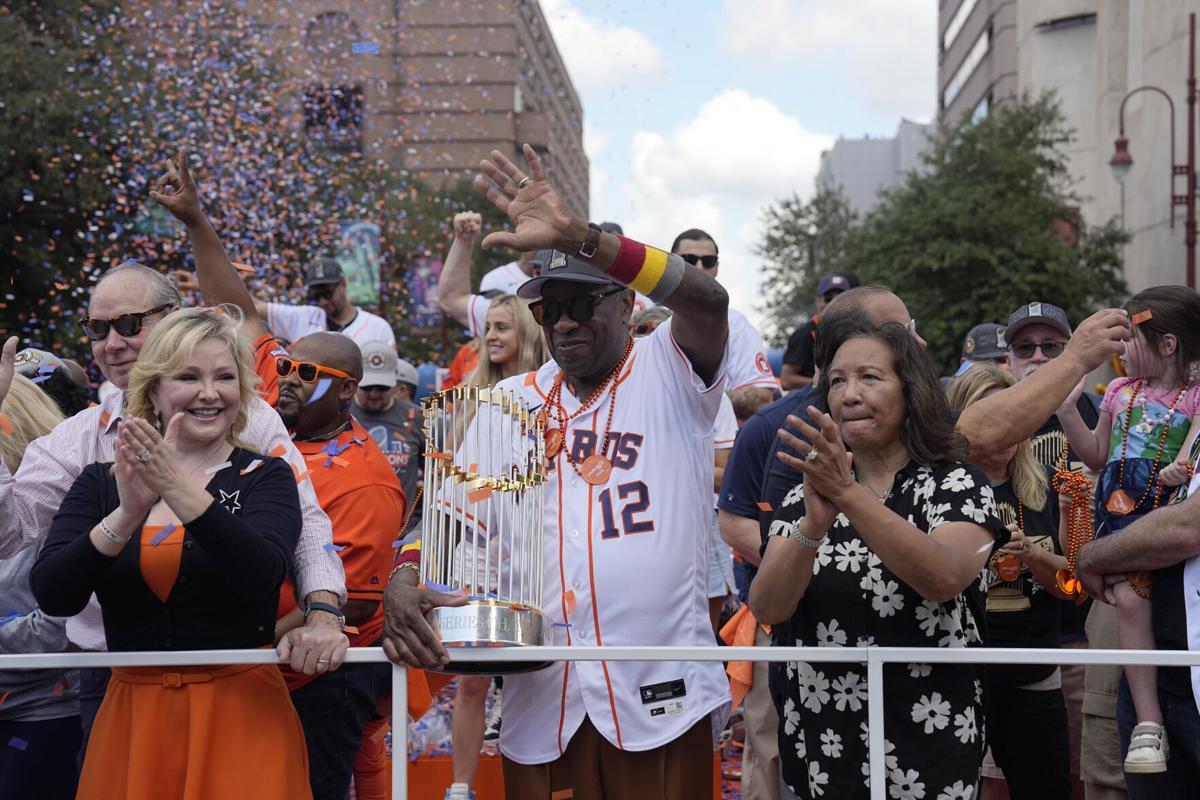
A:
[(581, 307), (127, 324), (321, 292), (708, 261), (1050, 349), (307, 370)]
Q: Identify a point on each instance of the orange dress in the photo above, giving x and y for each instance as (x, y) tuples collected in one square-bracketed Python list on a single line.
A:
[(193, 733)]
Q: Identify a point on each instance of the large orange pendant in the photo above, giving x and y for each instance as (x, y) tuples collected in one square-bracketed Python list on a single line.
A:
[(1120, 503), (596, 469), (1008, 568), (554, 442), (1068, 583)]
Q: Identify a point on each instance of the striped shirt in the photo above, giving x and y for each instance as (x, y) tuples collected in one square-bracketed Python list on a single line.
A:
[(29, 501)]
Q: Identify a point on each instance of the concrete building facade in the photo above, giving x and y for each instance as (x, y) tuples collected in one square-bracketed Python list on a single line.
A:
[(977, 56), (863, 168), (432, 86)]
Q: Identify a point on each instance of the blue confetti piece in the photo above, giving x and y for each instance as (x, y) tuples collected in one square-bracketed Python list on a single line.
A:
[(335, 548), (322, 387), (18, 743), (41, 378), (9, 617), (161, 535), (361, 48), (244, 116), (439, 587), (560, 625), (47, 369)]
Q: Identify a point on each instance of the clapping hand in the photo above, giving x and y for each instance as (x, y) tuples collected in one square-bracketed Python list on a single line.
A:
[(156, 457), (136, 498), (8, 357)]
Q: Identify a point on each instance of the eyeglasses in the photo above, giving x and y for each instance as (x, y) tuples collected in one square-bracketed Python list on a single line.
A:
[(127, 324), (708, 261), (1050, 349), (581, 307), (321, 292), (307, 370)]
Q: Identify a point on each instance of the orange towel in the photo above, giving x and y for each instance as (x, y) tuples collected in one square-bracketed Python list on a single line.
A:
[(739, 632)]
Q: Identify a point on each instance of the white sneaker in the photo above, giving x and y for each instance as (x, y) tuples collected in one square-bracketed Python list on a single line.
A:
[(459, 791), (1147, 749)]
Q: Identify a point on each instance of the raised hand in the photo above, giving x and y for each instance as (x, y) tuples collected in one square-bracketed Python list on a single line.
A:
[(1098, 337), (467, 225), (541, 220), (8, 357), (176, 191), (185, 281)]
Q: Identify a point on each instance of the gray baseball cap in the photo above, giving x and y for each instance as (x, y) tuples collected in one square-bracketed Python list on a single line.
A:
[(985, 341), (562, 267), (1037, 314), (323, 271), (406, 373), (379, 365)]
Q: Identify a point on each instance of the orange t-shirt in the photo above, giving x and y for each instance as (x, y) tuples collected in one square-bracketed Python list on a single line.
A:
[(266, 350), (461, 366), (359, 491)]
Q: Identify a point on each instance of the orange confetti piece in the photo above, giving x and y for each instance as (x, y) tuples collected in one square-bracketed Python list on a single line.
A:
[(473, 468), (480, 494), (764, 507), (341, 462), (5, 697), (6, 426), (350, 629), (563, 794), (104, 418), (569, 601), (300, 476), (59, 688), (1142, 316), (277, 451)]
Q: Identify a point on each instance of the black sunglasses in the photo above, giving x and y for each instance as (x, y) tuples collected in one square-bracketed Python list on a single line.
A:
[(321, 292), (127, 324), (581, 307), (708, 261), (1050, 349)]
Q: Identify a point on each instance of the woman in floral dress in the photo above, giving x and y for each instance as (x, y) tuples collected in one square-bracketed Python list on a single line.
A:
[(883, 545)]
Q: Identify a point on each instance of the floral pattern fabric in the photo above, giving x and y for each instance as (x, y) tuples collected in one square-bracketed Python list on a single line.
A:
[(934, 725)]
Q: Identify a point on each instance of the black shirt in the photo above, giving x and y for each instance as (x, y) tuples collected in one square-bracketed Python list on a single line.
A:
[(1169, 611), (800, 352), (234, 558), (1021, 613)]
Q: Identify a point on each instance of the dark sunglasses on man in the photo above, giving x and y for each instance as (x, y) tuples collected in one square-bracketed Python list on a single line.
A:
[(1050, 349), (321, 292), (708, 261), (581, 307), (307, 370), (128, 325)]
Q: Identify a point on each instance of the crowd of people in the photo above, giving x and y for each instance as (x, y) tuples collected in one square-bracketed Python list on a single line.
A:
[(254, 481)]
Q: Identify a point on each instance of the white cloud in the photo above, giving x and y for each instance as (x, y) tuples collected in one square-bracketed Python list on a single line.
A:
[(595, 142), (716, 171), (598, 51), (887, 48)]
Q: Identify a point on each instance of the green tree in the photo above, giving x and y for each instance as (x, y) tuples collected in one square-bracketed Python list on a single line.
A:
[(989, 224), (60, 126), (802, 242)]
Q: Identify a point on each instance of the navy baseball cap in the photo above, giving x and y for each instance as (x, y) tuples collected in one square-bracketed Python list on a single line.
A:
[(1037, 314), (985, 341), (836, 282), (562, 267)]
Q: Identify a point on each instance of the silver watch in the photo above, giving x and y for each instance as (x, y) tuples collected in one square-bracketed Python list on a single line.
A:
[(806, 541)]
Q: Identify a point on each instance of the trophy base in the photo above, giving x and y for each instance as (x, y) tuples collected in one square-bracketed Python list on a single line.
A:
[(489, 624)]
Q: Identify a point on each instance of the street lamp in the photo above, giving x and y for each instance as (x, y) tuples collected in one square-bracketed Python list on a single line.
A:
[(1122, 161)]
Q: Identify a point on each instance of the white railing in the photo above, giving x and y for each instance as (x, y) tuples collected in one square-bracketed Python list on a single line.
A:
[(873, 657)]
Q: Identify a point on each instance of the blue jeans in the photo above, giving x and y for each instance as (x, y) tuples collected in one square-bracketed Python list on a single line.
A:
[(1181, 781), (43, 766), (333, 710)]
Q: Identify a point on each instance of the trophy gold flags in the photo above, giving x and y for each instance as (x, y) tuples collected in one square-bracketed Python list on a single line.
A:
[(483, 520)]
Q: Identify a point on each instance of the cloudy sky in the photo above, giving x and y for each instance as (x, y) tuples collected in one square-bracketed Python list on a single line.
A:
[(699, 113)]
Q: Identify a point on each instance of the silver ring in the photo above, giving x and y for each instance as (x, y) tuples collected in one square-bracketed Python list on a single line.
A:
[(144, 456), (524, 181), (812, 454), (322, 660)]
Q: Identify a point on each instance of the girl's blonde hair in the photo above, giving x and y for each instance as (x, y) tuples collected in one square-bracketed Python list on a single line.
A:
[(171, 343), (531, 345), (31, 413), (1027, 475)]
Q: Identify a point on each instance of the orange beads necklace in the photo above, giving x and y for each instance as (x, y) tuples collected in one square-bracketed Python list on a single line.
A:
[(1079, 522), (1119, 502)]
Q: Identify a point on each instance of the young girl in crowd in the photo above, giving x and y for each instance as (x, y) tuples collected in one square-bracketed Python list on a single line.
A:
[(512, 344), (1147, 425)]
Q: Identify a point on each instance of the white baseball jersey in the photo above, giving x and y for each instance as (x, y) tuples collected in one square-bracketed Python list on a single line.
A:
[(293, 323), (725, 430), (504, 278), (625, 562), (748, 365), (477, 308)]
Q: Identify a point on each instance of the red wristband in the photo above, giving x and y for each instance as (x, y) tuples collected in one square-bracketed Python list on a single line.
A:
[(629, 261)]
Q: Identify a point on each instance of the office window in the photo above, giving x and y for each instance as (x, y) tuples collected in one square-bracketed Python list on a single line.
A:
[(963, 73), (957, 21)]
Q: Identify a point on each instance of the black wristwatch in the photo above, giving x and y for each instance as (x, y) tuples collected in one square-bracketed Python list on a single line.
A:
[(316, 605), (587, 248)]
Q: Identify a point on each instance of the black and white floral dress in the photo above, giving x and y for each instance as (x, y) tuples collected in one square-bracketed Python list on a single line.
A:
[(934, 727)]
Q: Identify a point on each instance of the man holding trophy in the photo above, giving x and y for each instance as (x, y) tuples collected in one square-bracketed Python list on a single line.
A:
[(622, 432)]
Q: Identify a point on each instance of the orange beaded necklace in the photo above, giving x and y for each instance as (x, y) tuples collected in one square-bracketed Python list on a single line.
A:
[(1119, 502), (1079, 522)]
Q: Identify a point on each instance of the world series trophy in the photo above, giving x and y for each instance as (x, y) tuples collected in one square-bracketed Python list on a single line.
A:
[(482, 522)]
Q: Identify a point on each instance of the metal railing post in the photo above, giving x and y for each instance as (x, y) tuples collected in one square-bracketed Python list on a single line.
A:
[(399, 732), (875, 743)]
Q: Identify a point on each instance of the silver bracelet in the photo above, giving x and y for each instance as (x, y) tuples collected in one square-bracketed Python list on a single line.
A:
[(806, 541), (110, 534)]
